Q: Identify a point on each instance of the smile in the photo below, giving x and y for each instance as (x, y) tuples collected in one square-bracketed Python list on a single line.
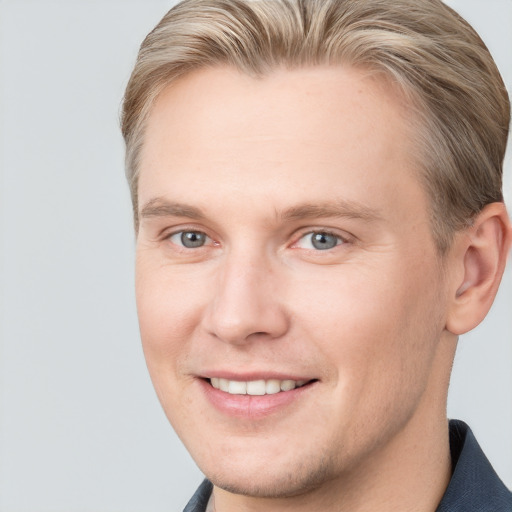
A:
[(255, 387)]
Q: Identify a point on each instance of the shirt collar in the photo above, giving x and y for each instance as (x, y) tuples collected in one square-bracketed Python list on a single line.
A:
[(474, 485)]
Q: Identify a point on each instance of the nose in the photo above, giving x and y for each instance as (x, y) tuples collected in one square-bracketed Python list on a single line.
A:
[(246, 304)]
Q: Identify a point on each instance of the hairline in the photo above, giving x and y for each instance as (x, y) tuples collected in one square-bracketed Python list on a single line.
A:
[(414, 126), (461, 104)]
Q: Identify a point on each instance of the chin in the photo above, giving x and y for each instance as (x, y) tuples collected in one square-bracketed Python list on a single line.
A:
[(270, 478), (282, 486)]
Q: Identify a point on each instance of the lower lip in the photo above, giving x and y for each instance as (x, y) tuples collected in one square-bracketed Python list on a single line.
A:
[(250, 406)]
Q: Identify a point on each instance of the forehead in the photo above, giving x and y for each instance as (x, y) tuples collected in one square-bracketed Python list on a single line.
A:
[(293, 136)]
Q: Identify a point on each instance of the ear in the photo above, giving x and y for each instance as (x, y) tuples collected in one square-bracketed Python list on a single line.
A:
[(478, 256)]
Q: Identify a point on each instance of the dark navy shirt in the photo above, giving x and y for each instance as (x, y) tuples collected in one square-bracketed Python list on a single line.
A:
[(474, 486)]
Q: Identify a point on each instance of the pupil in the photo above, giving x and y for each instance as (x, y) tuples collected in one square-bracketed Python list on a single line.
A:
[(192, 239), (323, 241)]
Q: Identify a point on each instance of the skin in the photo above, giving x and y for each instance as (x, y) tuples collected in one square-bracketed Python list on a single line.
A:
[(257, 166)]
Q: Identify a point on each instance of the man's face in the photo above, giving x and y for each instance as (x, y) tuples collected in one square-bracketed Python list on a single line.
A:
[(285, 241)]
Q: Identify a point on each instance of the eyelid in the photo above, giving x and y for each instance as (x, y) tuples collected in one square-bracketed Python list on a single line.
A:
[(168, 231), (167, 234), (344, 237)]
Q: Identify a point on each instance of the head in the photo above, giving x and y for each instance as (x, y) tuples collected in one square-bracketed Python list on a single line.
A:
[(317, 196)]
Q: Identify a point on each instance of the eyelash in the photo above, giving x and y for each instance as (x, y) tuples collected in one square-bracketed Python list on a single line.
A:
[(169, 237), (340, 240)]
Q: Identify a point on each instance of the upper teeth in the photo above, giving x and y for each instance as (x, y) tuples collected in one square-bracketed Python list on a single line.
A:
[(255, 387)]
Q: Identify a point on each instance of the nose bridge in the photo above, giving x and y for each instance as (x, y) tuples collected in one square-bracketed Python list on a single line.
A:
[(246, 301)]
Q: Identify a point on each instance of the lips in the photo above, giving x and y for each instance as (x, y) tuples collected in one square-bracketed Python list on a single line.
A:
[(254, 397)]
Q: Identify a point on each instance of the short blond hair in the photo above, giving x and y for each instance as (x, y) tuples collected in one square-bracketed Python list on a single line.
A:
[(434, 56)]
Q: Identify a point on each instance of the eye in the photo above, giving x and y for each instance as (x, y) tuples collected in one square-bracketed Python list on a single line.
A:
[(189, 239), (319, 240)]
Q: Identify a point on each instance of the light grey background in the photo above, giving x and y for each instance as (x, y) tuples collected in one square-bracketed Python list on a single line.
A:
[(80, 427)]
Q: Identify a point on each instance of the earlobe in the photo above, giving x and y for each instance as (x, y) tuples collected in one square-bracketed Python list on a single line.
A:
[(480, 256)]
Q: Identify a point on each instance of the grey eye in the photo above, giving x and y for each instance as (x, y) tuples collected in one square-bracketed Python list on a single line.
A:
[(189, 239), (323, 241), (319, 240)]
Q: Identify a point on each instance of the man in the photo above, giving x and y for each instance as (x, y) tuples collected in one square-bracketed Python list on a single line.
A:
[(317, 198)]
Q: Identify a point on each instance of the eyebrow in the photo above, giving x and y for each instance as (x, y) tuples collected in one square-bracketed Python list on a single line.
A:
[(336, 209), (160, 207)]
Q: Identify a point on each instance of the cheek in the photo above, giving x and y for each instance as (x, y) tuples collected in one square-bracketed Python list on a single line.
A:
[(374, 334), (349, 309), (169, 311), (168, 316), (372, 323)]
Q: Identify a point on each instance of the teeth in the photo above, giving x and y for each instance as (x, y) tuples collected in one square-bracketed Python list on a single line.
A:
[(223, 385), (286, 385), (255, 387), (274, 386), (237, 387)]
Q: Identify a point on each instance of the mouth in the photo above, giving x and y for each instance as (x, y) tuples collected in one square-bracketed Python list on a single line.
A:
[(256, 387), (255, 398)]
